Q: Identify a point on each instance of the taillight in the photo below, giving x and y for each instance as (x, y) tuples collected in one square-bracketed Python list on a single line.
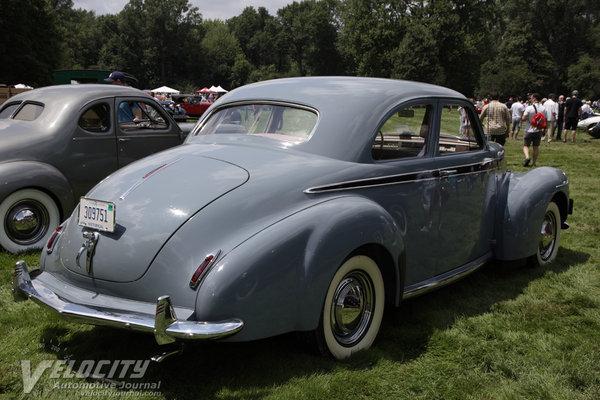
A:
[(53, 239), (208, 261)]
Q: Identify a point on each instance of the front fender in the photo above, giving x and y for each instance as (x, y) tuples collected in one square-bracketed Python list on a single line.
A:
[(526, 197), (15, 175), (276, 280)]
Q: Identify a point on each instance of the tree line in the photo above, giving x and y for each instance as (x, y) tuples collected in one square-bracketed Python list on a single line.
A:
[(473, 46)]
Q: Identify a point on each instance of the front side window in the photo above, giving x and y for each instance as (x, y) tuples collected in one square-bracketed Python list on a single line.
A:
[(137, 115), (404, 134), (292, 124), (96, 118), (457, 132)]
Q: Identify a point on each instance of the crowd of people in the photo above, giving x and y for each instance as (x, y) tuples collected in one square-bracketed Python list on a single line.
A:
[(560, 117)]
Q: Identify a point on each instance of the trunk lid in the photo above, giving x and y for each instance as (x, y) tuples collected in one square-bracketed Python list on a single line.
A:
[(152, 198)]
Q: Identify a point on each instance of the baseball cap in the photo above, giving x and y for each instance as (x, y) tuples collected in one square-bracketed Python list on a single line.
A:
[(115, 76), (575, 92)]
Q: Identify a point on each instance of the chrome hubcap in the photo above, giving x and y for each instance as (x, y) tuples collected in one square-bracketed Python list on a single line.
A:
[(548, 235), (26, 222), (352, 308)]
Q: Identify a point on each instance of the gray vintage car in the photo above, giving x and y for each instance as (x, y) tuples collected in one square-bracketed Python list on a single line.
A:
[(57, 142), (302, 204)]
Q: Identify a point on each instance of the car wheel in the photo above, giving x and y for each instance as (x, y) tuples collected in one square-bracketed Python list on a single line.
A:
[(353, 308), (29, 217), (549, 235), (594, 131)]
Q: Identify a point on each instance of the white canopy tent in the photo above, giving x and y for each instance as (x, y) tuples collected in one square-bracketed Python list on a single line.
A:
[(165, 90)]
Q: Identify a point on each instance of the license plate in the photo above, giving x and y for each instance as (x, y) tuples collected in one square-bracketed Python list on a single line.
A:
[(97, 214)]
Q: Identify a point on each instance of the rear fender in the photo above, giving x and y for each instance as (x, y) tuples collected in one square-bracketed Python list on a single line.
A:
[(519, 217), (18, 175), (276, 281)]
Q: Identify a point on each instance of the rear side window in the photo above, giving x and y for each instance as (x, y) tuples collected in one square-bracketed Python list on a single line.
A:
[(8, 110), (96, 118), (29, 112)]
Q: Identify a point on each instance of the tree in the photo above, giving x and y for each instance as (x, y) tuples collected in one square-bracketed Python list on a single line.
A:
[(220, 49), (147, 37), (585, 75), (309, 30), (370, 33), (30, 43)]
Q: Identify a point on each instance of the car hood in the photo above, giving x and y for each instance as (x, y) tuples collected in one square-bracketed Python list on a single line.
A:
[(153, 198)]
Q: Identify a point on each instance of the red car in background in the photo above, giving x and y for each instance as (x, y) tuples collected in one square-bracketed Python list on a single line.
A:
[(193, 105)]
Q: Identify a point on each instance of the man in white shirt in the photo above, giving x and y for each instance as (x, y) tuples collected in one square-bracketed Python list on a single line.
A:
[(532, 135), (516, 109), (551, 107)]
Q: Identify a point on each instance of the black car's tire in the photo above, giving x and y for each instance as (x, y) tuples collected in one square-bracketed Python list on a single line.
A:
[(594, 131), (353, 308), (28, 218), (549, 236)]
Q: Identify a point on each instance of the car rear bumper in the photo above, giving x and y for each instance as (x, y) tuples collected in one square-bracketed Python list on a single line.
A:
[(164, 324)]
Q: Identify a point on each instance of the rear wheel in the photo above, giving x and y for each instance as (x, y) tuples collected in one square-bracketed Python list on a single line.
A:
[(29, 217), (353, 308), (549, 236)]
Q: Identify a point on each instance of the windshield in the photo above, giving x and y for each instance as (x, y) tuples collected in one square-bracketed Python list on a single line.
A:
[(282, 122)]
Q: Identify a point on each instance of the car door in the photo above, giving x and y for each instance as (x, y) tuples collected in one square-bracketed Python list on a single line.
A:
[(92, 153), (143, 128), (436, 185), (409, 191), (466, 187)]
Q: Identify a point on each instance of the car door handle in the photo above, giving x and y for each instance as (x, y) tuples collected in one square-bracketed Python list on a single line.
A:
[(121, 140), (447, 172)]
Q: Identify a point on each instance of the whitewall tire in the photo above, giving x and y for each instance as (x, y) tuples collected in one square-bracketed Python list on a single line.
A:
[(353, 308), (549, 236), (28, 218)]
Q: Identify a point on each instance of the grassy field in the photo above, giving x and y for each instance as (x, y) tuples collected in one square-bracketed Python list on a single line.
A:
[(501, 333)]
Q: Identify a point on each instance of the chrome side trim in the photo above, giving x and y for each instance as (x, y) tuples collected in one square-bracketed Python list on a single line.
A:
[(445, 279), (398, 179), (164, 324)]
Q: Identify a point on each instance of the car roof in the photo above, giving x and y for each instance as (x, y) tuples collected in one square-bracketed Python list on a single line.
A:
[(350, 108), (76, 93)]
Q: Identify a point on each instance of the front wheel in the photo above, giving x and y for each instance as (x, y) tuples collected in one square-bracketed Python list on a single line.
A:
[(353, 308), (549, 236), (28, 217)]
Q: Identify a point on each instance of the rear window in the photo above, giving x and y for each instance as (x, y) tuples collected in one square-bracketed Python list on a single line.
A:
[(281, 122), (29, 112)]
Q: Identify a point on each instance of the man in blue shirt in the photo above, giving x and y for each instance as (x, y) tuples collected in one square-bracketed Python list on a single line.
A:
[(128, 111)]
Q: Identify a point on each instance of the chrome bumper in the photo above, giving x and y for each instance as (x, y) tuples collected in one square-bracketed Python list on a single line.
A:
[(164, 323)]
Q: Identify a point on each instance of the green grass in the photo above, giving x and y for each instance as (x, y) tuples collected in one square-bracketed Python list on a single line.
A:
[(501, 333)]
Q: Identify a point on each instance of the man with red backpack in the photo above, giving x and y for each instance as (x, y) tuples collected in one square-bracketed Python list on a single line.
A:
[(535, 115)]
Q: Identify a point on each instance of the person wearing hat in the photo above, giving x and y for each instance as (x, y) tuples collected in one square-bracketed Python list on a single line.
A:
[(128, 111), (572, 113)]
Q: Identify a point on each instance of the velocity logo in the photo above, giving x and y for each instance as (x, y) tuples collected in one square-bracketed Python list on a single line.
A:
[(97, 369)]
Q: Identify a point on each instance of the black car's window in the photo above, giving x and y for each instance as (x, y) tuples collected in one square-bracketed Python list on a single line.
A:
[(138, 115), (29, 112), (8, 110), (456, 130), (404, 134), (96, 118), (281, 122)]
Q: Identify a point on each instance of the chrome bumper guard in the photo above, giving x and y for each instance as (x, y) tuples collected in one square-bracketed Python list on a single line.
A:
[(164, 324)]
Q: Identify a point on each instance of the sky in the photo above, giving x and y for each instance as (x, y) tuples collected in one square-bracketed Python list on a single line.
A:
[(210, 9)]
